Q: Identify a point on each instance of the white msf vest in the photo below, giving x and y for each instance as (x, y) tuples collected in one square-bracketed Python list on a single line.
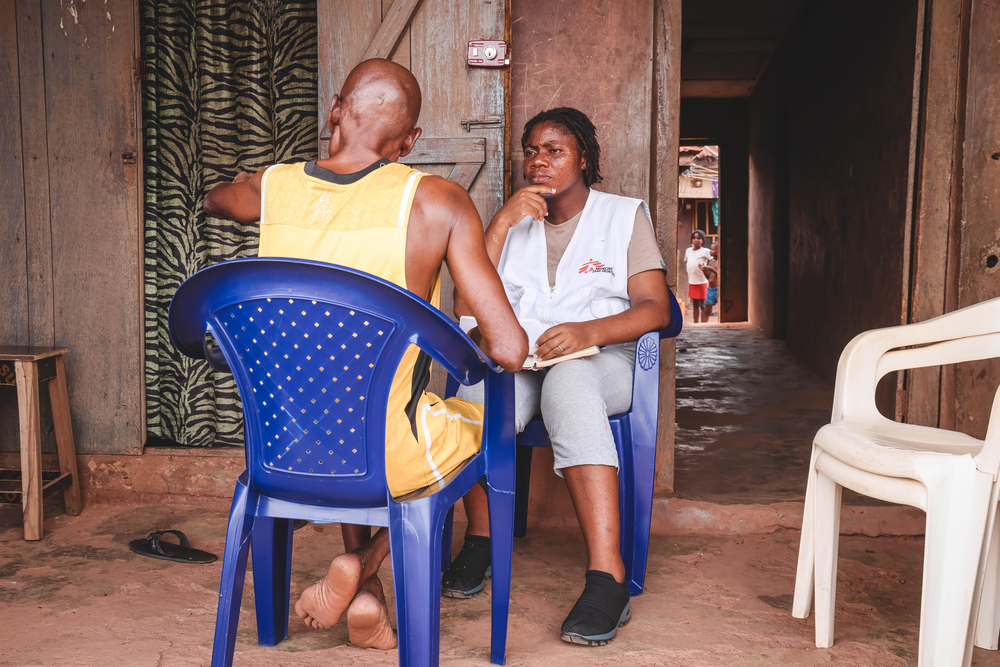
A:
[(592, 276)]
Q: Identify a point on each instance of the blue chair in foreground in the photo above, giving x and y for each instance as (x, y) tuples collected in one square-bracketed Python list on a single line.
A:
[(313, 348), (635, 435)]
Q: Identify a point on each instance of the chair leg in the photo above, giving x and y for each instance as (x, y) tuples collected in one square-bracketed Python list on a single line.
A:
[(502, 519), (31, 448), (953, 539), (988, 622), (522, 482), (636, 499), (271, 546), (828, 497), (806, 569), (59, 399), (415, 529), (234, 567), (446, 537)]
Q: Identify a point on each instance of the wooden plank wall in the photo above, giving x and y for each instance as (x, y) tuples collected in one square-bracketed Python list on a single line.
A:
[(976, 383), (13, 244), (936, 209), (597, 58), (72, 206)]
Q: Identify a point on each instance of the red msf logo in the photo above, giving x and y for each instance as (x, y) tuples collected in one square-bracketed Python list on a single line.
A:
[(594, 266)]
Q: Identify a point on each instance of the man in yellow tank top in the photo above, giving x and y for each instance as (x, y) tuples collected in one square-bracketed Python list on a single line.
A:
[(359, 208)]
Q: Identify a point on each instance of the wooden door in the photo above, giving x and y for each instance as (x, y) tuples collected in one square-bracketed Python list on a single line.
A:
[(463, 115), (71, 236)]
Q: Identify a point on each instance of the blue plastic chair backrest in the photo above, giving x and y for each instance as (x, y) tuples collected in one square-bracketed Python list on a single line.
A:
[(313, 348)]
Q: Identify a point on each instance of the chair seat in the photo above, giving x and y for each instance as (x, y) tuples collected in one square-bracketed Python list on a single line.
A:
[(893, 449)]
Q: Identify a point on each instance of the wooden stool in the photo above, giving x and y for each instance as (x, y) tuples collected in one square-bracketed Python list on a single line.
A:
[(31, 367)]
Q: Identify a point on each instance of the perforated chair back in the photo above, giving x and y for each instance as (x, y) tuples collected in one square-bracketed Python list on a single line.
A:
[(313, 355)]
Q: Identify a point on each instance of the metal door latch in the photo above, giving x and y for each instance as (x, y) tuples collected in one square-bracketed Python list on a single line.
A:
[(488, 53), (482, 121)]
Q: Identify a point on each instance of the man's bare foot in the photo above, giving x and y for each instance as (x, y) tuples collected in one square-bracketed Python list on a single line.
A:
[(322, 604), (368, 618)]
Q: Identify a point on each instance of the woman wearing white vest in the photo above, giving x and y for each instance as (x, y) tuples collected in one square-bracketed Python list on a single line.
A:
[(586, 265)]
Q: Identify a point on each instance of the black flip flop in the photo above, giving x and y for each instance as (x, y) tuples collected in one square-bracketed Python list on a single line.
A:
[(182, 553)]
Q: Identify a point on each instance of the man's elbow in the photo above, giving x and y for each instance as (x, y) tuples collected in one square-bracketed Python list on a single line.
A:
[(213, 206), (511, 357)]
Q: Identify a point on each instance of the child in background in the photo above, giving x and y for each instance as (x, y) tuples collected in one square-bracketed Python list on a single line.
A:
[(711, 271), (696, 257)]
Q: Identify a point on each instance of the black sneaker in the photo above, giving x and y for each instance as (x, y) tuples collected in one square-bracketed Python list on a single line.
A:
[(603, 607), (470, 569)]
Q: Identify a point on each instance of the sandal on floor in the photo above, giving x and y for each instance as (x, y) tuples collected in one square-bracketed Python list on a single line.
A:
[(181, 553), (470, 569)]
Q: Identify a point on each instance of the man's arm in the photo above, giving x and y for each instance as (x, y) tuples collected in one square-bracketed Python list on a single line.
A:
[(526, 201), (239, 200), (445, 208)]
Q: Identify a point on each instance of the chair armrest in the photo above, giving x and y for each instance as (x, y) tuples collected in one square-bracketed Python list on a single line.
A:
[(676, 318), (964, 335)]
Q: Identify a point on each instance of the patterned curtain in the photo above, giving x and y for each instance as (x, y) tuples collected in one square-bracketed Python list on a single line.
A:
[(230, 86)]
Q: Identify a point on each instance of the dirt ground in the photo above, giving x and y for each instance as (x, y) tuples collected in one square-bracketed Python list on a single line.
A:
[(79, 597)]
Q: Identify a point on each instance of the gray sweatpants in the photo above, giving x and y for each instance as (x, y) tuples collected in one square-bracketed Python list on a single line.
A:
[(575, 399)]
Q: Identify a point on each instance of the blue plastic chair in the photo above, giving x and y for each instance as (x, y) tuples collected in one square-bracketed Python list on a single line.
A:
[(635, 436), (314, 348)]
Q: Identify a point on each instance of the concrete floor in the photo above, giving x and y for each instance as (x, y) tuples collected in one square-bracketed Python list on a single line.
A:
[(746, 415), (80, 597)]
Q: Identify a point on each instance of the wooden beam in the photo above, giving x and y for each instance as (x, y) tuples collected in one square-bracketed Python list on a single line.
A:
[(465, 174), (770, 31), (392, 29), (729, 45), (665, 142), (720, 88), (725, 66), (447, 151)]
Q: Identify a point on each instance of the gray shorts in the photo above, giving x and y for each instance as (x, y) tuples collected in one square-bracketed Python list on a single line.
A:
[(574, 399)]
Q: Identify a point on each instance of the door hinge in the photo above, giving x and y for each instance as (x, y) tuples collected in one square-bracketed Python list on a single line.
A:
[(482, 121), (139, 69)]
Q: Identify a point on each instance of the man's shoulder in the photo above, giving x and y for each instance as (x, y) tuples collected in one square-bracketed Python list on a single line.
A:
[(433, 188)]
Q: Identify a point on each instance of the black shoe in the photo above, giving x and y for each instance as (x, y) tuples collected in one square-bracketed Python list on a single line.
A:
[(468, 572), (603, 607)]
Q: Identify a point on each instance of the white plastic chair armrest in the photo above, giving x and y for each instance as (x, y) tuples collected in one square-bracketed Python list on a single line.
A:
[(964, 335)]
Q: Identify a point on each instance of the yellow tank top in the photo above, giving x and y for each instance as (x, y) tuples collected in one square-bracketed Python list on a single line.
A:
[(360, 221)]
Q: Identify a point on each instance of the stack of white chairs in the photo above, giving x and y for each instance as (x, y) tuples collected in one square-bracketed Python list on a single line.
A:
[(949, 475)]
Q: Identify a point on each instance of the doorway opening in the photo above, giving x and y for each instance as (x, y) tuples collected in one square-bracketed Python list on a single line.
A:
[(699, 279)]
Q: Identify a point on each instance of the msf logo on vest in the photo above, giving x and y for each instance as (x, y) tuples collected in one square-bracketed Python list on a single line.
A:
[(594, 266)]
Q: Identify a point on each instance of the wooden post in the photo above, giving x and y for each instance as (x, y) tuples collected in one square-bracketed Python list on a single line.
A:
[(59, 398), (31, 448), (936, 224), (663, 201)]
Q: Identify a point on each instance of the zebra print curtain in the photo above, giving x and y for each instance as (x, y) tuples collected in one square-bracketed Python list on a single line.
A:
[(229, 86)]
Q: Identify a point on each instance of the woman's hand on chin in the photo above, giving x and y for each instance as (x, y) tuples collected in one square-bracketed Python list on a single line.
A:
[(563, 339), (527, 201)]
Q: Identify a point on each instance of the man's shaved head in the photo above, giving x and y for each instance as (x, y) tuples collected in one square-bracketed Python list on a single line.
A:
[(381, 96)]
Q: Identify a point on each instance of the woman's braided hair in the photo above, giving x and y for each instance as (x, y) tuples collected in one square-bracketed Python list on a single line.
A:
[(576, 123)]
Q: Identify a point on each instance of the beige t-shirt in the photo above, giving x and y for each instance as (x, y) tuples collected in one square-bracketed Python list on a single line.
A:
[(643, 253)]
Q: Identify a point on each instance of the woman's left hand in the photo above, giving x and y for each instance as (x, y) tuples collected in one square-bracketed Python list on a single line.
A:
[(563, 339)]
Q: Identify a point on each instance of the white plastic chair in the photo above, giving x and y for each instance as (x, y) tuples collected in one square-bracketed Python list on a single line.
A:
[(949, 475)]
